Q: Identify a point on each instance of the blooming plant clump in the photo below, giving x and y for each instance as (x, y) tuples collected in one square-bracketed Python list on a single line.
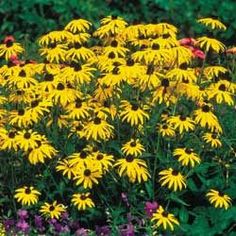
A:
[(121, 130)]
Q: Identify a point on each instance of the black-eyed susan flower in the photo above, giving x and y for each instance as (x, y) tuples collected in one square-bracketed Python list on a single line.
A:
[(179, 74), (219, 199), (181, 123), (103, 161), (164, 219), (207, 43), (78, 26), (42, 152), (10, 48), (211, 72), (186, 156), (20, 118), (53, 38), (212, 23), (28, 139), (207, 119), (8, 140), (68, 170), (212, 139), (133, 147), (52, 210), (134, 168), (133, 113), (81, 158), (27, 195), (166, 130), (88, 175), (98, 129), (82, 201), (173, 179)]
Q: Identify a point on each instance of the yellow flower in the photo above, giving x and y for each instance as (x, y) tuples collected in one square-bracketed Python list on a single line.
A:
[(212, 139), (134, 168), (54, 37), (98, 129), (133, 147), (78, 26), (173, 179), (207, 43), (66, 168), (164, 219), (103, 161), (181, 123), (53, 210), (88, 175), (212, 23), (27, 195), (8, 140), (132, 113), (211, 72), (82, 201), (166, 130), (186, 156), (219, 199)]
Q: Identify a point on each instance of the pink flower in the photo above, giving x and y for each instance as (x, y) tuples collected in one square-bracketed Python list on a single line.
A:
[(187, 41), (150, 208)]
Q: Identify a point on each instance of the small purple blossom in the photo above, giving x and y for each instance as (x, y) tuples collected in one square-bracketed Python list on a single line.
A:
[(127, 230), (22, 214), (125, 199), (102, 230), (150, 208), (23, 226), (38, 221), (8, 224), (81, 232)]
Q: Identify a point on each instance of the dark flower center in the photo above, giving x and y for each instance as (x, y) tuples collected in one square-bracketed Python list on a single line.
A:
[(21, 112), (130, 62), (222, 87), (141, 36), (205, 108), (76, 66), (77, 45), (78, 104), (186, 81), (9, 43), (83, 197), (182, 118), (114, 17), (83, 154), (19, 92), (188, 151), (22, 73), (143, 46), (107, 104), (150, 70), (79, 127), (165, 126), (11, 134), (129, 158), (116, 63), (27, 191), (97, 121), (48, 77), (87, 172), (133, 144), (134, 107), (27, 135), (115, 71), (99, 157), (51, 208), (52, 45), (175, 172), (114, 43), (165, 214), (34, 103), (60, 86), (165, 36), (39, 143), (155, 46), (111, 55), (214, 136), (183, 66), (165, 83), (221, 194)]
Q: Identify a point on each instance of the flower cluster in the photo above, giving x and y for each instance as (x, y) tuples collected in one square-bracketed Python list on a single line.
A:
[(122, 104)]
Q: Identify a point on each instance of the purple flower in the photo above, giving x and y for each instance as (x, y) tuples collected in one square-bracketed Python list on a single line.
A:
[(23, 226), (22, 214), (8, 224), (75, 225), (125, 199), (81, 232), (127, 230), (150, 208), (38, 221), (102, 230)]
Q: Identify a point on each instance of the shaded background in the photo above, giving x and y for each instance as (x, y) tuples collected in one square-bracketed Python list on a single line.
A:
[(31, 18)]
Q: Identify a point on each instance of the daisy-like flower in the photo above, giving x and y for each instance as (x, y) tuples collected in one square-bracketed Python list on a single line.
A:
[(28, 140), (52, 210), (98, 129), (164, 219), (68, 169), (219, 199), (8, 140), (133, 147), (207, 119), (207, 43), (27, 195), (186, 156), (166, 130), (78, 26), (173, 179), (181, 123), (54, 37), (179, 74), (211, 72), (212, 23), (82, 201), (212, 139), (132, 113), (134, 168), (103, 160), (20, 118), (10, 48), (88, 175)]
